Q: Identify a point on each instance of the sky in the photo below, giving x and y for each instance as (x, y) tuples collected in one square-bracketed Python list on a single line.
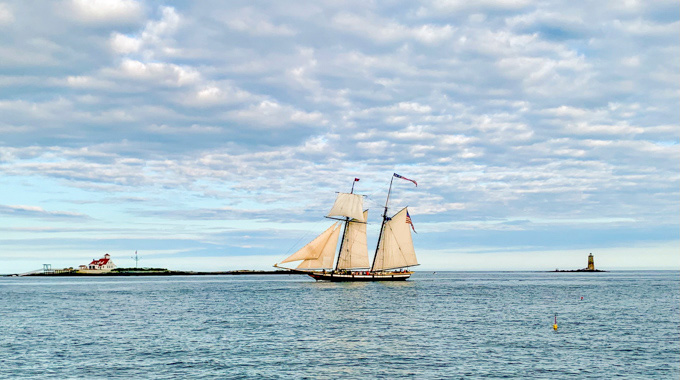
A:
[(212, 135)]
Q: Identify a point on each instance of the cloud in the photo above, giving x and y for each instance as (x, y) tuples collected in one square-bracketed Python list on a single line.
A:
[(155, 40), (216, 94), (158, 73), (123, 44), (106, 11), (272, 114), (451, 6), (214, 120), (250, 21), (381, 30), (165, 129), (6, 14), (35, 211)]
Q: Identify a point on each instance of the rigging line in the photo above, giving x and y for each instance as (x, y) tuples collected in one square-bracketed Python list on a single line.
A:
[(370, 197), (304, 235), (374, 202), (296, 243)]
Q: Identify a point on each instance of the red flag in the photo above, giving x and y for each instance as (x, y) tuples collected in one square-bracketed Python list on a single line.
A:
[(356, 179)]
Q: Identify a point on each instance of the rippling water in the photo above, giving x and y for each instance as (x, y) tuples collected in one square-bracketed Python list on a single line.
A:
[(443, 325)]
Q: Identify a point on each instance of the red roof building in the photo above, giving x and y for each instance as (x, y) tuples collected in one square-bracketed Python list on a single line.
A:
[(103, 264)]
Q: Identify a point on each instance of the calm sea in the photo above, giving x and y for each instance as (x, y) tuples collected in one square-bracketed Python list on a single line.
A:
[(443, 325)]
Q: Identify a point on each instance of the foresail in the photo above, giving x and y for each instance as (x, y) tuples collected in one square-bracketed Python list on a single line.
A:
[(325, 258), (354, 252), (316, 248), (396, 246), (348, 205)]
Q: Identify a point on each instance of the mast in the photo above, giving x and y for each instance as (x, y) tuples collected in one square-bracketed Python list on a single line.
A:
[(344, 231), (396, 245), (383, 224)]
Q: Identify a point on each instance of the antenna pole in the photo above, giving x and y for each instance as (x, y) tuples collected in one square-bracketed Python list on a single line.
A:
[(383, 224)]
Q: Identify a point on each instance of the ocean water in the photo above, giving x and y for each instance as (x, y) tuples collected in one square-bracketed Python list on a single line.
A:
[(436, 325)]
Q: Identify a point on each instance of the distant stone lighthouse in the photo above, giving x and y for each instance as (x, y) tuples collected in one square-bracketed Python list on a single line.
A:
[(591, 262)]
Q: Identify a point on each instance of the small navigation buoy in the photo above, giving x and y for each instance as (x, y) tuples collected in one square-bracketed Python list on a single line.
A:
[(581, 298), (555, 325)]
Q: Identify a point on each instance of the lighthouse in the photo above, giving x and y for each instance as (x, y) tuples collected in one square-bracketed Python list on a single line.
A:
[(591, 262)]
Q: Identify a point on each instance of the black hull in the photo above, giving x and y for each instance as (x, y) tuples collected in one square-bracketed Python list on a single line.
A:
[(336, 277)]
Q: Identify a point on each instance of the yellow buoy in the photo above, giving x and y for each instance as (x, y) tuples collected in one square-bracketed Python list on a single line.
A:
[(555, 324)]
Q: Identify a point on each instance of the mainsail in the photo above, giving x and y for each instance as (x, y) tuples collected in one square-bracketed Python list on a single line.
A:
[(319, 253), (348, 205), (354, 252), (396, 246)]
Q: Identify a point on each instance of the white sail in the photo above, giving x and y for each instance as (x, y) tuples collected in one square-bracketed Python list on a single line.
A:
[(349, 205), (354, 252), (319, 253), (396, 246)]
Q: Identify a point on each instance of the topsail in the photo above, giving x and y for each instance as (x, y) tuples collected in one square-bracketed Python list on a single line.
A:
[(354, 252), (348, 205)]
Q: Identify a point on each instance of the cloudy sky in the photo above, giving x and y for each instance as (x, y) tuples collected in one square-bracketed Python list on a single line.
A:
[(214, 135)]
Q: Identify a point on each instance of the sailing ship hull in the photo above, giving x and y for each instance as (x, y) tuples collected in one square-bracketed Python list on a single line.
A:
[(338, 277)]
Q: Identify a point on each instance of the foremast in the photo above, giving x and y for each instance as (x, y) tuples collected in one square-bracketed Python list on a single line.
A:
[(351, 254), (344, 233)]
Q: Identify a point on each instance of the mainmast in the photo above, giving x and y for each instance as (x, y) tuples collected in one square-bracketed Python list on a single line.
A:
[(383, 224)]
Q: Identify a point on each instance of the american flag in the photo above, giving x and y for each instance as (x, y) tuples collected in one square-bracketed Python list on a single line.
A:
[(398, 176), (408, 221)]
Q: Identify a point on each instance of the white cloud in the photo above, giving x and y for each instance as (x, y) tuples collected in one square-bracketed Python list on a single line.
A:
[(193, 129), (160, 73), (216, 94), (25, 210), (6, 14), (89, 82), (123, 44), (167, 25), (155, 40), (556, 20), (256, 23), (584, 128), (272, 114), (106, 11), (640, 27), (382, 30), (633, 61), (450, 6)]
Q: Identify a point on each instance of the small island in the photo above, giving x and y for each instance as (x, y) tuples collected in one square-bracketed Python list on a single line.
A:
[(152, 272), (105, 267), (589, 268)]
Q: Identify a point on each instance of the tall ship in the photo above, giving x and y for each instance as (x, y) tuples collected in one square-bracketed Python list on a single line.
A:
[(394, 252)]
